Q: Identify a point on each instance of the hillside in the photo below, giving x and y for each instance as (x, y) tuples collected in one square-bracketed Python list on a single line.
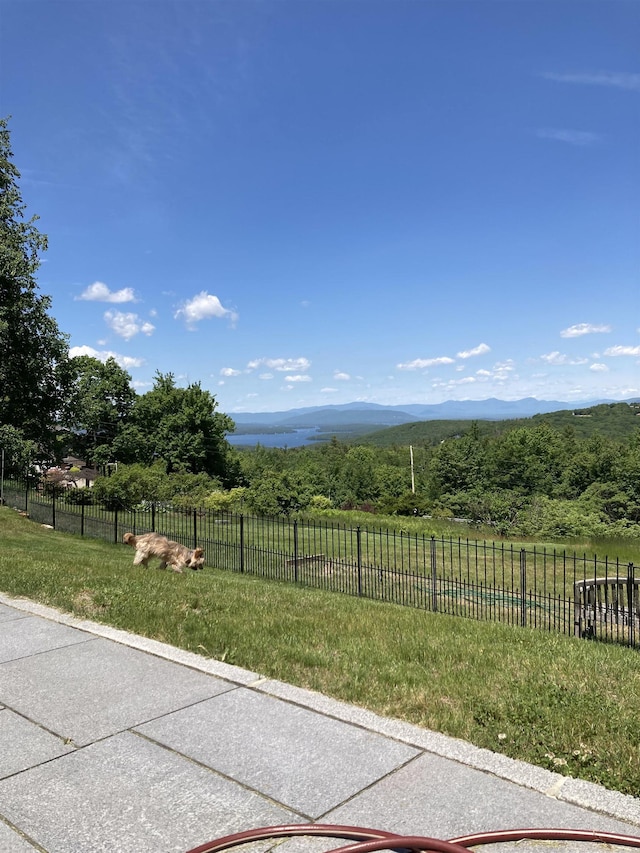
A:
[(375, 413), (614, 420)]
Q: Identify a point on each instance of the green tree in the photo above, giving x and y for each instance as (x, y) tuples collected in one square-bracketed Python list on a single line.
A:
[(457, 465), (277, 493), (529, 461), (19, 454), (33, 350), (100, 402), (360, 483), (181, 427)]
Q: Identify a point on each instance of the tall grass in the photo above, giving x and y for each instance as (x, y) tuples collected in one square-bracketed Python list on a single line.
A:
[(567, 704)]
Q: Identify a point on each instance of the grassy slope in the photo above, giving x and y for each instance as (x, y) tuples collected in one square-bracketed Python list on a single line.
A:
[(561, 703)]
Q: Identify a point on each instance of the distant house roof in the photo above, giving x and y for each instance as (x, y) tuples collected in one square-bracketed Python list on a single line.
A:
[(73, 462)]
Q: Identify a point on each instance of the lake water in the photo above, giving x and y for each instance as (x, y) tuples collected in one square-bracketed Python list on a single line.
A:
[(299, 438)]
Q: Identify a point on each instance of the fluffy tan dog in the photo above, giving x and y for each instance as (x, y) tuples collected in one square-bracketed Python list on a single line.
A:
[(169, 553)]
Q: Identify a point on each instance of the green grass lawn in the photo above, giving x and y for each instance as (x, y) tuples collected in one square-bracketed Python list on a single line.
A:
[(562, 703)]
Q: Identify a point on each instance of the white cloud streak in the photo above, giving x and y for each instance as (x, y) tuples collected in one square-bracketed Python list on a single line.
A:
[(581, 138), (556, 358), (615, 79), (580, 329), (284, 365), (422, 363), (99, 292), (481, 349), (621, 350)]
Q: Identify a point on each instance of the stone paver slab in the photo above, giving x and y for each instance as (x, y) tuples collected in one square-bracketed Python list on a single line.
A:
[(304, 760), (11, 842), (24, 744), (128, 795), (7, 614), (97, 688), (440, 798), (29, 635)]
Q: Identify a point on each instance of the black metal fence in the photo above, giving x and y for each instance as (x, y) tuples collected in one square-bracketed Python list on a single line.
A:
[(549, 590)]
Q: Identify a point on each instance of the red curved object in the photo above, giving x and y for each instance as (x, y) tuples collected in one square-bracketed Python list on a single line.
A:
[(289, 831), (371, 840), (506, 835), (403, 842)]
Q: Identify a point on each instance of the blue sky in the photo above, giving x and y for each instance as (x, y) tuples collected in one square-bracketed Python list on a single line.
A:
[(309, 202)]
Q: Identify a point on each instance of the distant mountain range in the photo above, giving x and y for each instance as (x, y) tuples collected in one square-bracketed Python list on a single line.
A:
[(321, 417)]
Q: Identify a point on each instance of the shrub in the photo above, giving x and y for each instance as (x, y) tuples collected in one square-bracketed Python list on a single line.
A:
[(321, 503), (78, 497)]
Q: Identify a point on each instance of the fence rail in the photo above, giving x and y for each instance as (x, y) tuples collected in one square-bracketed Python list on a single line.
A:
[(537, 588)]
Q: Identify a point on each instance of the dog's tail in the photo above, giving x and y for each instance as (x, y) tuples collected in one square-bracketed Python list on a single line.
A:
[(129, 539)]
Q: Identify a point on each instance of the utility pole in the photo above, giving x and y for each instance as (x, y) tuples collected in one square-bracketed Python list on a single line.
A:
[(413, 480)]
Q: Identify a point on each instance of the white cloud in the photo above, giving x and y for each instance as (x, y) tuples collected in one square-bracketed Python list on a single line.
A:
[(125, 361), (265, 376), (572, 137), (230, 371), (328, 390), (85, 350), (467, 380), (561, 358), (204, 306), (341, 377), (421, 363), (481, 349), (127, 325), (617, 79), (599, 368), (583, 329), (284, 365), (620, 350), (99, 292), (300, 377)]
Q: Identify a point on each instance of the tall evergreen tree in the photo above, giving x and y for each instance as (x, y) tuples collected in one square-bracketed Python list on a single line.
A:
[(33, 351)]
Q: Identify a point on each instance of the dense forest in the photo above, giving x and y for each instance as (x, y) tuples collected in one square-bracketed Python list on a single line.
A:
[(562, 474), (528, 480)]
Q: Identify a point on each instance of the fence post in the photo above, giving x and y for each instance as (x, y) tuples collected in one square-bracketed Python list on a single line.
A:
[(82, 519), (359, 549), (241, 543), (630, 597), (53, 509), (153, 516), (115, 525), (523, 588), (195, 529), (434, 568), (26, 497), (295, 551)]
